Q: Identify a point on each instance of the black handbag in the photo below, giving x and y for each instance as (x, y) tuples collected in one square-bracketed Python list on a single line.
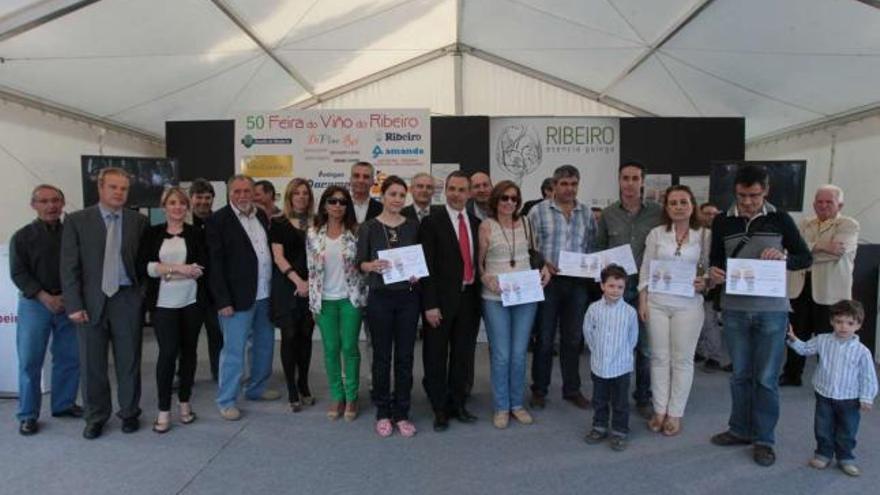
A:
[(536, 257)]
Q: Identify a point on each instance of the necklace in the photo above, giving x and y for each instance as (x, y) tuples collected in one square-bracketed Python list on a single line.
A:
[(679, 241), (391, 238), (511, 246)]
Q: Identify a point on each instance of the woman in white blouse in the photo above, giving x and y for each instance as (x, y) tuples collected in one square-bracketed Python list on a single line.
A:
[(673, 321), (173, 255)]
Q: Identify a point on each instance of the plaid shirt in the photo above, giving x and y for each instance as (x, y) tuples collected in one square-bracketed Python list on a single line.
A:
[(554, 233)]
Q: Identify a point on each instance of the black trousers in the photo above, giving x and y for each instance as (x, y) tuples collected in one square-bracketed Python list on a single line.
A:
[(122, 325), (611, 394), (296, 352), (448, 352), (177, 333), (809, 318), (215, 338), (564, 306), (393, 316)]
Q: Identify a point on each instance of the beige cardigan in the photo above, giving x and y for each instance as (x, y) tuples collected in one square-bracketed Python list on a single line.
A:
[(831, 277)]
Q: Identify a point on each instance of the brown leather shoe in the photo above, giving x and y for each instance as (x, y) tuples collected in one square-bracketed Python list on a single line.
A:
[(578, 400), (538, 401)]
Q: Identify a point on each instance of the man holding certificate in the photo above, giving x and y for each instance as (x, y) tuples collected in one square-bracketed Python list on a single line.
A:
[(451, 300), (754, 325), (562, 224)]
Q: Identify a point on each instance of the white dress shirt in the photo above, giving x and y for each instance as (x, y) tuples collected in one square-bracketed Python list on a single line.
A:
[(257, 234)]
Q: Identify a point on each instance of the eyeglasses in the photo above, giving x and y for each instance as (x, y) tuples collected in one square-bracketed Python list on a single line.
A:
[(509, 198), (337, 201)]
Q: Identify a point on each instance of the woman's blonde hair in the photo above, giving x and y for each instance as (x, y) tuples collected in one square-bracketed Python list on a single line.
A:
[(288, 198), (174, 191)]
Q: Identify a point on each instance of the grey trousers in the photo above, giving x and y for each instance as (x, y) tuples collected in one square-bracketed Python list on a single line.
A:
[(122, 325), (711, 344)]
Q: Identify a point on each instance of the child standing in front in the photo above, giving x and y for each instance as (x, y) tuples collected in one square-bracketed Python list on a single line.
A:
[(611, 331), (846, 383)]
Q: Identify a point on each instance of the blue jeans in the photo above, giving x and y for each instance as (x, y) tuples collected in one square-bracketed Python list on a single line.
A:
[(508, 330), (564, 306), (642, 393), (252, 324), (756, 341), (610, 399), (35, 324), (836, 425)]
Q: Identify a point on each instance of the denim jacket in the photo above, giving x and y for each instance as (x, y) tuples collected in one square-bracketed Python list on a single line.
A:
[(315, 249)]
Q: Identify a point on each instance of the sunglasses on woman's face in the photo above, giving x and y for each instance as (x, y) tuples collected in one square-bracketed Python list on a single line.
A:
[(337, 202), (509, 198)]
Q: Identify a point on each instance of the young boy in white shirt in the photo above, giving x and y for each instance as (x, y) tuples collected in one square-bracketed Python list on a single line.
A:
[(611, 331), (845, 382)]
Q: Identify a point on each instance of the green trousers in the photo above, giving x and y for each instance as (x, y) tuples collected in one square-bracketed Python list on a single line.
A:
[(340, 324)]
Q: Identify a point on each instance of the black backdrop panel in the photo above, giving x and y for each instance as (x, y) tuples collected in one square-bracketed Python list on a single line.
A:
[(204, 148), (865, 290), (462, 140), (681, 145)]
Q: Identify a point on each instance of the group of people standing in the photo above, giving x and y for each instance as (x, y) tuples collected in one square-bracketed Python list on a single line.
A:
[(250, 267)]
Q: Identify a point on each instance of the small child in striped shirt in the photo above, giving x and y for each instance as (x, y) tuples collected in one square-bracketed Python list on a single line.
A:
[(845, 382), (611, 331)]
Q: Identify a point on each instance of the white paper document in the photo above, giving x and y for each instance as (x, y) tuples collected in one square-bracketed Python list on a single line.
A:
[(406, 262), (590, 265), (520, 287), (673, 277), (748, 277)]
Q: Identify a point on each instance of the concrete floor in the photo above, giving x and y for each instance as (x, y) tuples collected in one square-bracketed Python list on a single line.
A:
[(274, 451)]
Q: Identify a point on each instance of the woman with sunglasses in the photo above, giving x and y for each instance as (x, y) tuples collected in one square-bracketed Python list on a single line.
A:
[(504, 248), (392, 309), (674, 322), (336, 294), (290, 291)]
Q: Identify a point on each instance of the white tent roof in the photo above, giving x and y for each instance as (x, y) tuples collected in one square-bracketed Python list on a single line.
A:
[(138, 63)]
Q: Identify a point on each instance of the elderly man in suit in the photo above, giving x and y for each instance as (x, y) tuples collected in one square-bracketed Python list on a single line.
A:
[(833, 239), (102, 295), (421, 188), (239, 281), (451, 299)]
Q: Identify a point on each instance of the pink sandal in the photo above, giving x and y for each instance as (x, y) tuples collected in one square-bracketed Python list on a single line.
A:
[(406, 428), (384, 428)]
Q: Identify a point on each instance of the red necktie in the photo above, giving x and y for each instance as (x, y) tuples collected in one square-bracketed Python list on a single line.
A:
[(464, 245)]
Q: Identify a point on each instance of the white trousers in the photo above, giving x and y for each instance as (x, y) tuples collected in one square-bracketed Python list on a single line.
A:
[(673, 334)]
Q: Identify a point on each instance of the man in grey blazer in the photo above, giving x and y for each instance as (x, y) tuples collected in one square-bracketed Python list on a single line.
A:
[(102, 295)]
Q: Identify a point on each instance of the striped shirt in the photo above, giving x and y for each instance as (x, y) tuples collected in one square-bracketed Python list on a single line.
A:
[(846, 368), (554, 232), (611, 330)]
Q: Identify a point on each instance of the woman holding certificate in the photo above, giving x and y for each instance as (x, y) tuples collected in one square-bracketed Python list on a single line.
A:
[(671, 282), (504, 248), (336, 294), (392, 308)]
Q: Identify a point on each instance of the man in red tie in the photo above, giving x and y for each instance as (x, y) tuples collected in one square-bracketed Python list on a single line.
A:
[(451, 300)]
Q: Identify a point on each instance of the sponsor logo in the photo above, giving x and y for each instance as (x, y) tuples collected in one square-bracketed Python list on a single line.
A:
[(249, 141), (518, 150), (414, 151), (407, 136)]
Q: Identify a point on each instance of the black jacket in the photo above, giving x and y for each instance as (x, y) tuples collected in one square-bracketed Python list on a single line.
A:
[(442, 288), (149, 252), (233, 271)]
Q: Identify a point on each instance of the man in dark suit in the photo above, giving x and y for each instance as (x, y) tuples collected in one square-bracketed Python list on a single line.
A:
[(481, 189), (361, 181), (240, 279), (102, 295), (421, 187), (451, 299)]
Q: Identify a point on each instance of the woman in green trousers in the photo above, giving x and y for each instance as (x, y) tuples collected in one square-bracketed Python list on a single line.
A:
[(336, 294)]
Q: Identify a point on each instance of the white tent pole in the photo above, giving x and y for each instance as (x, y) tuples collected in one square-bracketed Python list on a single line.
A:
[(35, 15), (78, 115), (374, 77), (554, 81), (667, 35), (457, 59), (838, 119), (241, 24)]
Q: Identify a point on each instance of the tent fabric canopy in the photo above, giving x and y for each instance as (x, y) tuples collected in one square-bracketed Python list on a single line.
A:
[(779, 63)]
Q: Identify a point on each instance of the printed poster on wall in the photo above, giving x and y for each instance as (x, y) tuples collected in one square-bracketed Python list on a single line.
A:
[(321, 145), (527, 150)]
